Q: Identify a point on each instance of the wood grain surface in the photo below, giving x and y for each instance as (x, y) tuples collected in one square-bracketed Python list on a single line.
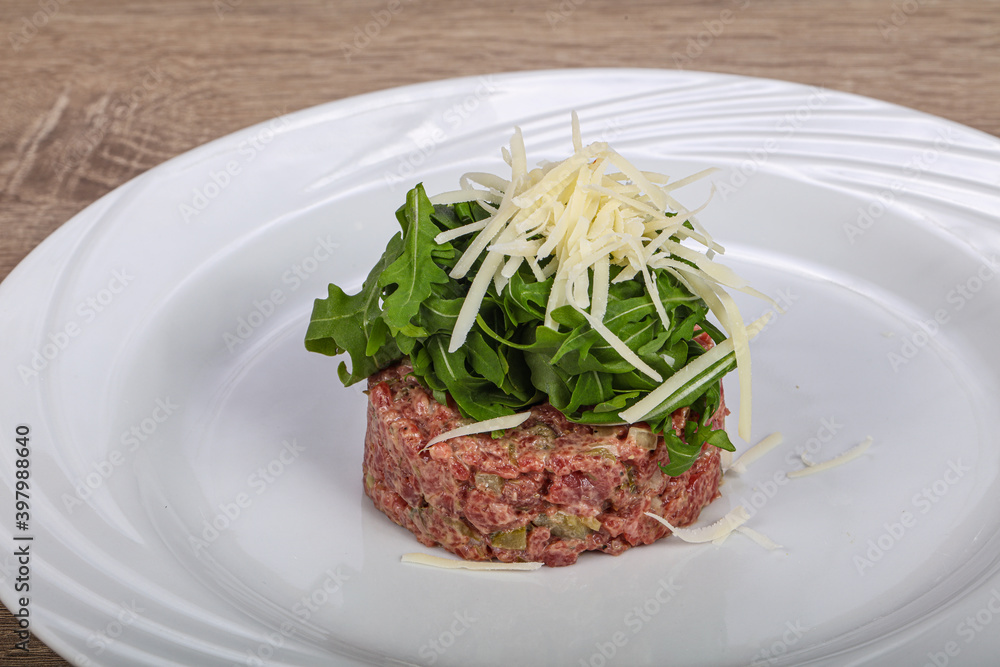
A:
[(95, 92)]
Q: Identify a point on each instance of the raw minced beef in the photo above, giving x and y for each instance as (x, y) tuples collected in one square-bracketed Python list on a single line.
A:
[(543, 492)]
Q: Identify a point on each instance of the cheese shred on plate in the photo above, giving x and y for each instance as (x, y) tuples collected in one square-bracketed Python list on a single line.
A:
[(454, 564), (849, 455), (573, 220), (762, 540), (712, 532), (739, 466)]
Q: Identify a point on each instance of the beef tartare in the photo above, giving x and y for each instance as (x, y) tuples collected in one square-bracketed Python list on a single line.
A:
[(543, 492)]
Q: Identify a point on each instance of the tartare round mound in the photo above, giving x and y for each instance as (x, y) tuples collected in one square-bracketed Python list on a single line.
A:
[(544, 491)]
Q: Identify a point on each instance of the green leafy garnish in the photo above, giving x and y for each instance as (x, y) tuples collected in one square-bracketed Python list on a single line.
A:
[(408, 307)]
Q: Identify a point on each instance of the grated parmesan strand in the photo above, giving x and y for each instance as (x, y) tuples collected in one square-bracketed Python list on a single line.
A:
[(455, 564), (644, 406), (458, 232), (577, 137), (495, 424), (849, 455), (621, 348), (463, 195), (687, 180), (724, 526), (739, 466), (759, 538)]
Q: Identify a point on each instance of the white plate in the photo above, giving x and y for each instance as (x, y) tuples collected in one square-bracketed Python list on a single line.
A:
[(195, 491)]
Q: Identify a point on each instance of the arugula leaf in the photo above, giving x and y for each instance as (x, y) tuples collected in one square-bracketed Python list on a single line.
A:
[(408, 306), (334, 325), (684, 452), (414, 272)]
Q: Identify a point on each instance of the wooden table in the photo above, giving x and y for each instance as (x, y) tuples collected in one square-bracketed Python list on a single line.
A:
[(95, 92)]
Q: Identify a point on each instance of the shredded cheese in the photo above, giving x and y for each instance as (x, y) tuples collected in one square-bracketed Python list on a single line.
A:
[(726, 460), (762, 540), (849, 455), (495, 424), (739, 466), (621, 348), (575, 219), (458, 196), (644, 406), (454, 564), (721, 528)]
